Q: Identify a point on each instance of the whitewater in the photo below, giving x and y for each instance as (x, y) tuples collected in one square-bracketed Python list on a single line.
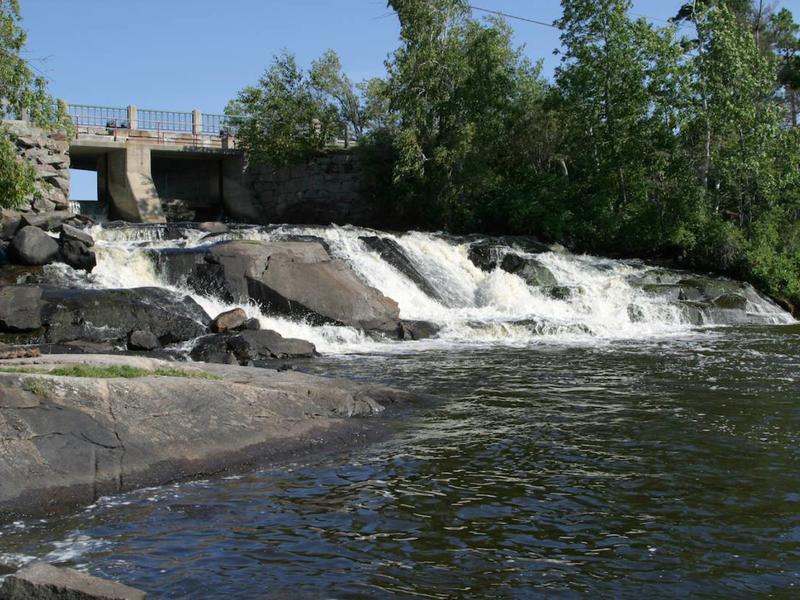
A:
[(473, 308)]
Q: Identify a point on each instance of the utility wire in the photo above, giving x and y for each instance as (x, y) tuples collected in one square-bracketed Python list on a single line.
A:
[(506, 15), (544, 23)]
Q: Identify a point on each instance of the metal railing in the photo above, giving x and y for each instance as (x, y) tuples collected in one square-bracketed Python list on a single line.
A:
[(87, 115), (166, 121)]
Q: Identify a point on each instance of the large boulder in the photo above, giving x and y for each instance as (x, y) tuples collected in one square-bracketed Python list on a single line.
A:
[(247, 347), (391, 252), (100, 315), (32, 246), (230, 319), (70, 233), (40, 581), (77, 255), (530, 269), (68, 440), (293, 278), (324, 292)]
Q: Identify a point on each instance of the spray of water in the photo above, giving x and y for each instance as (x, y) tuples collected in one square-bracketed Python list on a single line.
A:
[(474, 306)]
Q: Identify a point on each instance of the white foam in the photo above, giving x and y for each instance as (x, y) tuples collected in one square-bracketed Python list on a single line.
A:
[(475, 308)]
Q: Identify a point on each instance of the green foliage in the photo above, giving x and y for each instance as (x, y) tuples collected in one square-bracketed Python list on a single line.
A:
[(123, 371), (283, 119), (461, 93), (17, 178), (647, 142), (20, 91)]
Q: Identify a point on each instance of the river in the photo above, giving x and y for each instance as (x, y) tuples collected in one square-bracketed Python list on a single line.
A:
[(593, 455)]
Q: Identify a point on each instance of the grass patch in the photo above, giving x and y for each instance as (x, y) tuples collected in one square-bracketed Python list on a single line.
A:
[(113, 371)]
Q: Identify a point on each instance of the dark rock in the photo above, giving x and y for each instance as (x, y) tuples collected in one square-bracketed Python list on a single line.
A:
[(20, 308), (416, 330), (68, 232), (635, 313), (668, 291), (32, 246), (531, 270), (231, 319), (248, 346), (78, 255), (251, 324), (142, 340), (49, 221), (9, 223), (563, 292), (391, 252), (109, 315), (485, 255), (730, 301), (40, 581)]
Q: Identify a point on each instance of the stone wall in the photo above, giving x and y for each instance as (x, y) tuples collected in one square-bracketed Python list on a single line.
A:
[(325, 189), (49, 155)]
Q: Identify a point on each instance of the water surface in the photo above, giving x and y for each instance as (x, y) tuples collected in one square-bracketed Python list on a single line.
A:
[(662, 468)]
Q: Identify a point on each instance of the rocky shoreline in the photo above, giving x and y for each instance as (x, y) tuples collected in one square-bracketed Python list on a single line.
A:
[(76, 427)]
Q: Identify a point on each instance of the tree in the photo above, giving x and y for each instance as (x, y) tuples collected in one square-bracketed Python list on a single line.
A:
[(283, 119), (20, 92), (453, 84), (328, 79)]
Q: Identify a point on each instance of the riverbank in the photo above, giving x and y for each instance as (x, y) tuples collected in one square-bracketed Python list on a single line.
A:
[(74, 428)]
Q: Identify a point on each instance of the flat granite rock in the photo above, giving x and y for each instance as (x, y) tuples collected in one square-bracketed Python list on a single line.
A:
[(41, 581), (65, 441)]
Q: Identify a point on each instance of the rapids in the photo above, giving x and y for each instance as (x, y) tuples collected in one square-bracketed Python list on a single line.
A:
[(475, 308)]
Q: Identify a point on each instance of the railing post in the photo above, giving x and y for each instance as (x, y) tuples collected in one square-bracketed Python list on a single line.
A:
[(133, 117), (197, 122)]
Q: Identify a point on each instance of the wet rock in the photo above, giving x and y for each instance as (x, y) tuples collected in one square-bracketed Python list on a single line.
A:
[(667, 291), (32, 246), (730, 301), (531, 270), (214, 227), (563, 292), (78, 255), (20, 308), (70, 233), (109, 315), (391, 252), (417, 330), (251, 324), (485, 255), (231, 319), (48, 221), (635, 313), (249, 346), (40, 581), (143, 340)]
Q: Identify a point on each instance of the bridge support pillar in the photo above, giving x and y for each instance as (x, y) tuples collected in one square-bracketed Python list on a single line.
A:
[(130, 184)]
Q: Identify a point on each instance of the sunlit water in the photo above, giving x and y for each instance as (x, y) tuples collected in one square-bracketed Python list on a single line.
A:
[(625, 469), (593, 456)]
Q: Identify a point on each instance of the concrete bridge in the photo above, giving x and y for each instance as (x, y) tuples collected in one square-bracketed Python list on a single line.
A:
[(152, 164)]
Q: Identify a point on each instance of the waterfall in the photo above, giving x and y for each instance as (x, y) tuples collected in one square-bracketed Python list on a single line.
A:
[(594, 299)]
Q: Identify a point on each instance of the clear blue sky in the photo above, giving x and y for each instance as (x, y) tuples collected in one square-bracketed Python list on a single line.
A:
[(187, 54)]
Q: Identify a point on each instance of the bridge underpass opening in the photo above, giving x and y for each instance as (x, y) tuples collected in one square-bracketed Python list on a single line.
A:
[(82, 185), (190, 186)]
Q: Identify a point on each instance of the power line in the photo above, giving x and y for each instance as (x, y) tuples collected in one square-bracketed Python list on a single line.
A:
[(545, 24), (508, 16)]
